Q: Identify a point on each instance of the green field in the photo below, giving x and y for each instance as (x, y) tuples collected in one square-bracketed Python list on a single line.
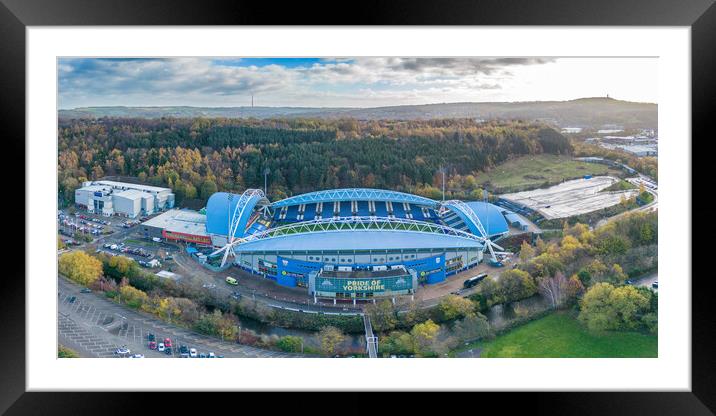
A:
[(560, 335), (530, 172)]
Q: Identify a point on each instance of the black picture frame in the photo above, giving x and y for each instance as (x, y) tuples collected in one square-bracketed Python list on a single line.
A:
[(16, 15)]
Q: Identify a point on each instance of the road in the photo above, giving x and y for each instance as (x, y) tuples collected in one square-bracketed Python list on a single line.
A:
[(95, 326)]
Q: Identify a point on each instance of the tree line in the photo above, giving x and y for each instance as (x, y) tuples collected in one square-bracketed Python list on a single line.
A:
[(196, 157)]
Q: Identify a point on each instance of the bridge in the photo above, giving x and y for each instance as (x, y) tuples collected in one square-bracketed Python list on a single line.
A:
[(370, 339)]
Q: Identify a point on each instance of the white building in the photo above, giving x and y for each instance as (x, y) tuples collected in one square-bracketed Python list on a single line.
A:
[(126, 199)]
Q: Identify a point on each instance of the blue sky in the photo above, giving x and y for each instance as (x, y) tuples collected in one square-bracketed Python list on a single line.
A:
[(348, 82)]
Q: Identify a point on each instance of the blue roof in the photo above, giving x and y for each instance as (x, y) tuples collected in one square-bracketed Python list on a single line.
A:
[(489, 215), (358, 240), (355, 194), (222, 205)]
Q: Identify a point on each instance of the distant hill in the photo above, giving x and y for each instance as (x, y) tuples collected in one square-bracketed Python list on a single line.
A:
[(583, 112)]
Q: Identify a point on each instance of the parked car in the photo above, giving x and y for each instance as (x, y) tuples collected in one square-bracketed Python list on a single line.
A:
[(167, 342), (86, 290), (655, 285), (123, 350), (161, 347), (150, 337), (168, 351), (184, 351), (211, 355), (192, 352), (138, 356), (72, 299), (202, 355), (152, 345)]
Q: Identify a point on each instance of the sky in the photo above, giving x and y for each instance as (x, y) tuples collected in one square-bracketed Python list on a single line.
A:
[(348, 82)]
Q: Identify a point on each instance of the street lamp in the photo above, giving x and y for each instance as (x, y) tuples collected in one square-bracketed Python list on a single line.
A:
[(266, 173)]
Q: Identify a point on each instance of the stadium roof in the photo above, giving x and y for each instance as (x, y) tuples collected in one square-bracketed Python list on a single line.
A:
[(357, 240), (488, 214), (224, 210), (355, 194)]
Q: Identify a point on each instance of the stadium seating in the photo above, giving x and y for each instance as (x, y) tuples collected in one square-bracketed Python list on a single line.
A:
[(310, 212), (363, 210), (380, 209), (417, 213), (346, 210)]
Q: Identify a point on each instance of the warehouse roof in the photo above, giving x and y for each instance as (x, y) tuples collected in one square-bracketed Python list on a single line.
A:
[(145, 188), (130, 194), (179, 221)]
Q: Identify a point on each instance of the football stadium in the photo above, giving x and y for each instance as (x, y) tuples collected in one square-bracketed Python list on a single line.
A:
[(351, 243)]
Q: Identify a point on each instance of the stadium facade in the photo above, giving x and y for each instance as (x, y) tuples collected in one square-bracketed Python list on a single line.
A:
[(351, 243)]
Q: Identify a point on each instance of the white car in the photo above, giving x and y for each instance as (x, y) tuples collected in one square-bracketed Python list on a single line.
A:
[(211, 355), (123, 350), (138, 356), (192, 353), (160, 347)]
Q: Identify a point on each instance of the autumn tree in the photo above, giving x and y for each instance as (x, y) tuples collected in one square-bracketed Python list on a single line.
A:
[(526, 251), (331, 337), (453, 306), (423, 335), (80, 267)]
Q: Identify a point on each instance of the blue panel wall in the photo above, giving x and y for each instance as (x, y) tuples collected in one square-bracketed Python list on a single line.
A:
[(430, 270)]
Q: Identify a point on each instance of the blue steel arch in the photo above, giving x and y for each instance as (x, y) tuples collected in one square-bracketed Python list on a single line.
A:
[(355, 194), (226, 211), (478, 215)]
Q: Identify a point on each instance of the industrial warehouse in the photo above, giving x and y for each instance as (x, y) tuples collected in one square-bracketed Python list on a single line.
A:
[(129, 200), (341, 244)]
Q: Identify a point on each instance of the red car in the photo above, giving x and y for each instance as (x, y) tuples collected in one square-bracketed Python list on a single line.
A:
[(152, 345), (167, 342)]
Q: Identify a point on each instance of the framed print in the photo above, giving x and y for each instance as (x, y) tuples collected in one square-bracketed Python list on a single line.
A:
[(457, 200)]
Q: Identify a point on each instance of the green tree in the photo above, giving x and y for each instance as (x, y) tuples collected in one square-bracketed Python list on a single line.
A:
[(382, 315), (516, 284), (208, 188), (290, 343), (472, 327), (331, 337), (605, 307), (80, 267)]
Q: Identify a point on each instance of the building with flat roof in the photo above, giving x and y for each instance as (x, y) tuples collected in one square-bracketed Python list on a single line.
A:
[(125, 199), (178, 225)]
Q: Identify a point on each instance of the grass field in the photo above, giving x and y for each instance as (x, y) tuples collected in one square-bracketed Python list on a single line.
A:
[(530, 172), (560, 335)]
